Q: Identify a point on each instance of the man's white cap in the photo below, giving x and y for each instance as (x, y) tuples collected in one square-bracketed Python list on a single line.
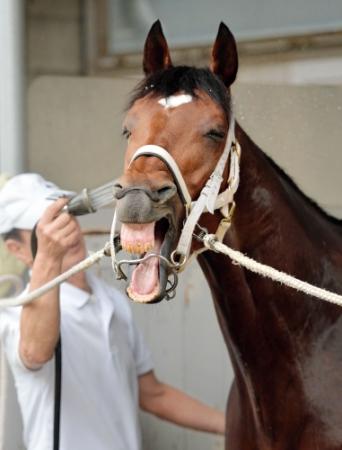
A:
[(23, 200)]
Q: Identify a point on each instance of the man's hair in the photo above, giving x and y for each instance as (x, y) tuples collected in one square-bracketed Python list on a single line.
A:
[(14, 233)]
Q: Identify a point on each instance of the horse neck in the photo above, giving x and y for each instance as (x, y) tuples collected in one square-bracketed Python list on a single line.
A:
[(275, 225), (276, 337)]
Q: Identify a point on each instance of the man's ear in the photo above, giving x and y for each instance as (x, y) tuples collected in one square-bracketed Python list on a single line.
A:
[(18, 250), (12, 246)]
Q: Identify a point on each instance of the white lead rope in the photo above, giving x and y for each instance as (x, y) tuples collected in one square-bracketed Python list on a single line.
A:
[(211, 243), (83, 265)]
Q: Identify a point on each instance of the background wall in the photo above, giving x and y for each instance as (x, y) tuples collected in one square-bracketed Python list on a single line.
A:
[(67, 37), (54, 37)]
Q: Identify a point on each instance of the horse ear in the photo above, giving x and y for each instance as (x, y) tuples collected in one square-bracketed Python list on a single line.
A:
[(156, 50), (224, 57)]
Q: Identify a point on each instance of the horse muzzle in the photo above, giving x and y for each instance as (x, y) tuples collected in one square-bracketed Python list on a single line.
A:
[(148, 233)]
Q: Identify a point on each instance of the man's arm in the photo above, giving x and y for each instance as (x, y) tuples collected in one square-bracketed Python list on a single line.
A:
[(40, 320), (173, 405)]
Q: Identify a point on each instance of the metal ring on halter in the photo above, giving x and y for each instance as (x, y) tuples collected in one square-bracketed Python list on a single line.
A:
[(181, 262)]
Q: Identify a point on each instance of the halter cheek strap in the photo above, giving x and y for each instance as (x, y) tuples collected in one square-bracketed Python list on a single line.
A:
[(209, 199)]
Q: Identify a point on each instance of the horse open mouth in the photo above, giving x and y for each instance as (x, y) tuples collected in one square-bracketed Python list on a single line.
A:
[(149, 278)]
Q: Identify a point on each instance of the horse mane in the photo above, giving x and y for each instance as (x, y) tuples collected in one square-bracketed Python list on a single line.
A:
[(184, 79), (188, 79), (281, 172)]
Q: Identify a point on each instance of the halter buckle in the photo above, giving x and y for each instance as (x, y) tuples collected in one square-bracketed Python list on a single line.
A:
[(236, 147), (202, 232), (226, 221)]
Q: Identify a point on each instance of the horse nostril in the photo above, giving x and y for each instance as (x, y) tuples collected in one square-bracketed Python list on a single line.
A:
[(117, 188), (159, 195), (163, 190), (166, 192)]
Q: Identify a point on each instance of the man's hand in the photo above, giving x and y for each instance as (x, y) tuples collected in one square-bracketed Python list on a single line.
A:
[(56, 231)]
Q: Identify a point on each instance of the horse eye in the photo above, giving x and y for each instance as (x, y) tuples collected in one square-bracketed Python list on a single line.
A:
[(215, 135), (126, 133)]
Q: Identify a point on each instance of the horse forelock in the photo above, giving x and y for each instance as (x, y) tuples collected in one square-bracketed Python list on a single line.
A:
[(185, 79)]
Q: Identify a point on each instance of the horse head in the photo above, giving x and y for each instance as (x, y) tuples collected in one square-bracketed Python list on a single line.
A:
[(180, 112)]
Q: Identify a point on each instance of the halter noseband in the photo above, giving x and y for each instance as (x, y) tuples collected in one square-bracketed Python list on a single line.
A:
[(163, 155)]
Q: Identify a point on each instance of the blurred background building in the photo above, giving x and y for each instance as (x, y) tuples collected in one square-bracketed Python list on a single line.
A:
[(294, 42), (67, 68)]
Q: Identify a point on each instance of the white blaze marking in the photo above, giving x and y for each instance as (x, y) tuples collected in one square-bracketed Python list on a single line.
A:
[(175, 100)]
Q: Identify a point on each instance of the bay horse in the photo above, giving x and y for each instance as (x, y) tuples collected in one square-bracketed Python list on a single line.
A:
[(285, 347)]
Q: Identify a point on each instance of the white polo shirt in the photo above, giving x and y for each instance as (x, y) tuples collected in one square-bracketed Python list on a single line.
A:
[(102, 355)]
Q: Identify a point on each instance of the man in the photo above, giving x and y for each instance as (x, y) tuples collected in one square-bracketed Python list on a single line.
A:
[(106, 368)]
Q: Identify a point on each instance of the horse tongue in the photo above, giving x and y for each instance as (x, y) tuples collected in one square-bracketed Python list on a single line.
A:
[(145, 277), (144, 286)]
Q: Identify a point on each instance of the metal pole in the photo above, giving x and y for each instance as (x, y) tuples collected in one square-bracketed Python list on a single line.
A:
[(12, 99)]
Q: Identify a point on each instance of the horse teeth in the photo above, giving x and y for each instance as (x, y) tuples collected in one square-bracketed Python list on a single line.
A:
[(148, 247), (137, 247)]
